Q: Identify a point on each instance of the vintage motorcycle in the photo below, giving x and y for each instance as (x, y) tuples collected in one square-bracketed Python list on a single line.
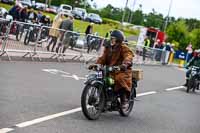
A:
[(98, 95), (194, 79)]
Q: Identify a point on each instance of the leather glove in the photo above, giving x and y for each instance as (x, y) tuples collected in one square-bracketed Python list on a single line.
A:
[(93, 66), (123, 67)]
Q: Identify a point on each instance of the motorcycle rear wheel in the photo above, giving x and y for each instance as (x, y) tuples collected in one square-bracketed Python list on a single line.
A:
[(189, 85), (89, 100), (126, 112)]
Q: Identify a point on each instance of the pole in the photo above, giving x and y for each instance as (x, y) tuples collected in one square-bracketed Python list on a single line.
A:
[(124, 11), (134, 2), (46, 4), (167, 19)]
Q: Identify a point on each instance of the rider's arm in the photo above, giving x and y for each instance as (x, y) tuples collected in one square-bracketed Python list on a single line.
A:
[(102, 60), (127, 56), (190, 63)]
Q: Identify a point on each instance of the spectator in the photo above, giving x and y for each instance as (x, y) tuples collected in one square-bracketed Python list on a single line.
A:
[(32, 15), (88, 32), (146, 46), (189, 52), (166, 52), (40, 16), (66, 25), (23, 14), (15, 12), (89, 29), (54, 32)]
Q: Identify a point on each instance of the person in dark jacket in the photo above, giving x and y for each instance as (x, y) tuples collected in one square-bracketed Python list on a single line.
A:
[(88, 32), (15, 12), (23, 14), (67, 26)]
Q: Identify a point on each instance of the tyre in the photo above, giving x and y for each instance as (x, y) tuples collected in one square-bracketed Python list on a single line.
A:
[(18, 35), (189, 85), (92, 102), (26, 39), (126, 112)]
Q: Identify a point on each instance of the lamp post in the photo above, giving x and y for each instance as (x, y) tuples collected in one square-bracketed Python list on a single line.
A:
[(134, 2), (46, 4), (167, 19), (124, 11)]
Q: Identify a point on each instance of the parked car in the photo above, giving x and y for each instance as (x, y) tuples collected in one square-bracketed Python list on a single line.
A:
[(52, 9), (79, 13), (2, 12), (65, 8), (8, 1), (28, 3), (40, 6), (95, 18)]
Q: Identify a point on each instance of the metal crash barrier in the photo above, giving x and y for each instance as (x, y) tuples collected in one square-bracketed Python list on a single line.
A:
[(149, 55), (33, 40)]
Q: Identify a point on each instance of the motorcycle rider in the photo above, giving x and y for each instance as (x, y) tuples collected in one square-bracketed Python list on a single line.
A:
[(195, 61), (116, 53)]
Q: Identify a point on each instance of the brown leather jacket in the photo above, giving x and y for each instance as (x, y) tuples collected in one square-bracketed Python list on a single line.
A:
[(115, 56)]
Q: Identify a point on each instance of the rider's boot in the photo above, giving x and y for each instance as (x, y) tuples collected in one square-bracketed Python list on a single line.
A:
[(186, 83)]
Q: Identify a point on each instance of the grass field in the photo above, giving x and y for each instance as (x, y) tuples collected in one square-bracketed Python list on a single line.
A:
[(80, 26)]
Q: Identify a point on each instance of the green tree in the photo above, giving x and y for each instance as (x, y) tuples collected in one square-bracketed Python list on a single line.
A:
[(194, 37), (153, 19), (177, 32), (138, 17)]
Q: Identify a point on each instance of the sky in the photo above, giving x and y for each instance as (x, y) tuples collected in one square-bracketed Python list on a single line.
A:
[(179, 8)]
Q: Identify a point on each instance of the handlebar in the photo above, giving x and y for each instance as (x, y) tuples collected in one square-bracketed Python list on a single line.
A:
[(98, 67)]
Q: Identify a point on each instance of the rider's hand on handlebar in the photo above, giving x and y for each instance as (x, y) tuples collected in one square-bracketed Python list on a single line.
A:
[(93, 66), (123, 67)]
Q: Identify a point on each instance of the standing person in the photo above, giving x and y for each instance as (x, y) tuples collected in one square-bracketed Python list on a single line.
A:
[(54, 32), (32, 15), (166, 52), (189, 52), (146, 46), (39, 16), (66, 25), (89, 29), (88, 32), (23, 14)]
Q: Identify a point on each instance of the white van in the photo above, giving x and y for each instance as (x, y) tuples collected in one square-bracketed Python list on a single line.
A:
[(65, 8)]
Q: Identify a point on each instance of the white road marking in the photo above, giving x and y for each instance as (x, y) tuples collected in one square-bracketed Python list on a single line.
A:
[(146, 93), (42, 119), (6, 130), (174, 88), (75, 77), (82, 78), (52, 71), (50, 117)]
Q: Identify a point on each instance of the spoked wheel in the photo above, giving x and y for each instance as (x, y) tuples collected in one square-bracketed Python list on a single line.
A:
[(19, 35), (126, 111), (92, 102), (27, 38)]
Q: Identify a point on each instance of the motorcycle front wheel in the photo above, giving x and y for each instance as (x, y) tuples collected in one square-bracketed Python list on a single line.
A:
[(92, 102)]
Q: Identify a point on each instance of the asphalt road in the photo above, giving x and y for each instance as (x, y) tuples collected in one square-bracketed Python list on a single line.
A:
[(31, 93)]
